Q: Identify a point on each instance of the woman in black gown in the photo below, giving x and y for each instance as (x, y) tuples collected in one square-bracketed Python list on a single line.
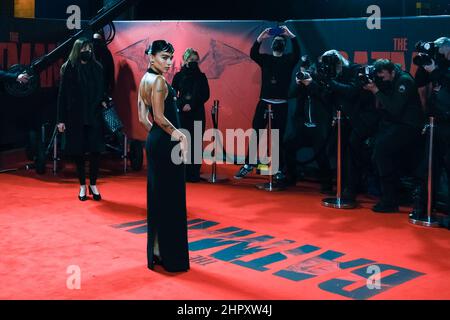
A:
[(167, 242)]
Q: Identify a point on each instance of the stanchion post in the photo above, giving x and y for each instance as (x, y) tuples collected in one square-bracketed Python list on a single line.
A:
[(125, 153), (55, 154), (214, 177), (338, 202), (270, 186), (429, 221)]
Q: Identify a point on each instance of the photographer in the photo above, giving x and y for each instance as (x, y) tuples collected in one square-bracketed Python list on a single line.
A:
[(434, 58), (336, 80), (310, 127), (399, 128), (276, 69)]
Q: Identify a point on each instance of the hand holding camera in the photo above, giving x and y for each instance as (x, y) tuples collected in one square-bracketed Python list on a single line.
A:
[(303, 77), (287, 32), (264, 35), (23, 78), (430, 67), (372, 87)]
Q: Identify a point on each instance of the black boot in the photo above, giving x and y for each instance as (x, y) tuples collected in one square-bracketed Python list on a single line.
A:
[(388, 202)]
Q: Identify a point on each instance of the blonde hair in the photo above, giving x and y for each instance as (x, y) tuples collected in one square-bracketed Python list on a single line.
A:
[(189, 52)]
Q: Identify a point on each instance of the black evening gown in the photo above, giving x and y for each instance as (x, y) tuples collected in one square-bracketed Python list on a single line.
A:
[(166, 195)]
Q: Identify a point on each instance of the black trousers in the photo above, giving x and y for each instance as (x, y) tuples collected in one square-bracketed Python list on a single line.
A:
[(357, 158), (94, 165), (279, 121), (315, 137), (393, 141), (188, 123)]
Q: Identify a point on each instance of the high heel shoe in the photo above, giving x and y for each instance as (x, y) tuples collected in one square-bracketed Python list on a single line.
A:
[(155, 261), (96, 196), (82, 195)]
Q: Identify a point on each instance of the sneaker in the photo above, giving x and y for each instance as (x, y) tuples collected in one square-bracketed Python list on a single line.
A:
[(243, 171), (279, 176), (382, 207)]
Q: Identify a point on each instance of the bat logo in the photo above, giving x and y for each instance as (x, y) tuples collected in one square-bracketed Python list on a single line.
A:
[(213, 64)]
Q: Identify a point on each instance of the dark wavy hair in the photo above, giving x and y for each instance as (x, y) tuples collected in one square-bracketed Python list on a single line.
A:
[(384, 64), (159, 46)]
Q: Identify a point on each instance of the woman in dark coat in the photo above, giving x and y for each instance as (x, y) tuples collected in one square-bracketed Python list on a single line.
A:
[(80, 102), (192, 91)]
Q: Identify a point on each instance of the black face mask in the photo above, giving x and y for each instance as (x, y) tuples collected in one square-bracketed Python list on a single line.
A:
[(385, 86), (278, 45), (86, 56), (192, 65)]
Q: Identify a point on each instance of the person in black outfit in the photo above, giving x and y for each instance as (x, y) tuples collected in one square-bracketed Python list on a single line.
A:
[(335, 82), (167, 236), (192, 90), (399, 129), (80, 102), (276, 72), (310, 127), (438, 105)]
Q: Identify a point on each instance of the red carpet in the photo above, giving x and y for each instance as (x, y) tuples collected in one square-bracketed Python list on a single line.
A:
[(293, 247)]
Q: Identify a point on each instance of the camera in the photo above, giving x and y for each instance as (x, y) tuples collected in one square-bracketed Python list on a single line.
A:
[(277, 31), (327, 68), (302, 75), (367, 75), (305, 62), (427, 52)]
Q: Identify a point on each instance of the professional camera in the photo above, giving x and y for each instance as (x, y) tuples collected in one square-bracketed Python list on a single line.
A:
[(327, 68), (305, 64), (302, 75), (367, 75), (427, 52)]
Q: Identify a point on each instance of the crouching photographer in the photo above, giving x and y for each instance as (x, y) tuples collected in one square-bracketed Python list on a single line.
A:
[(399, 129), (310, 125), (434, 58)]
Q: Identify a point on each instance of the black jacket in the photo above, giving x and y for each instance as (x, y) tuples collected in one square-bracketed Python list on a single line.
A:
[(79, 104), (311, 105), (346, 94), (192, 88), (440, 106), (276, 71), (401, 104)]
